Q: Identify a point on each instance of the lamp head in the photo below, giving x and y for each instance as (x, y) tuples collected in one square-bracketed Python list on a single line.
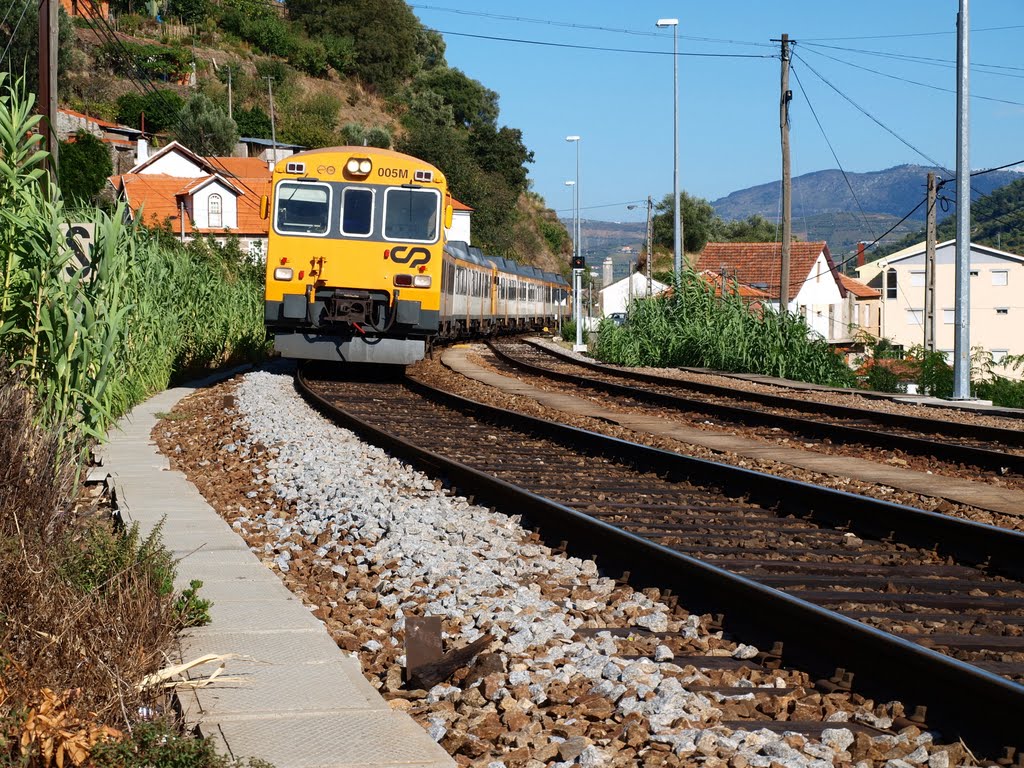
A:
[(667, 23), (572, 138), (570, 183)]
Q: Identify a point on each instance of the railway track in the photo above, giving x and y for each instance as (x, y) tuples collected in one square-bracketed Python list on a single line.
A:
[(911, 604), (995, 449)]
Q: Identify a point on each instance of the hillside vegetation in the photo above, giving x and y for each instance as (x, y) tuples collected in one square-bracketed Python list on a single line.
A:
[(997, 220), (342, 72)]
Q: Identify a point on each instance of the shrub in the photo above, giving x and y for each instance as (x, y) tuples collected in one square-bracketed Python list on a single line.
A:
[(694, 327), (884, 378), (569, 330)]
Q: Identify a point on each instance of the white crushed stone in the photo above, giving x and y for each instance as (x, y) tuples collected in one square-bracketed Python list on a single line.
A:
[(478, 566)]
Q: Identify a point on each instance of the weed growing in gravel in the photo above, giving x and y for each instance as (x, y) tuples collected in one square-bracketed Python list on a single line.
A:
[(158, 745)]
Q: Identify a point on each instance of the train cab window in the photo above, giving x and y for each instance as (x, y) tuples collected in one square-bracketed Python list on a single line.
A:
[(411, 214), (356, 211), (302, 208)]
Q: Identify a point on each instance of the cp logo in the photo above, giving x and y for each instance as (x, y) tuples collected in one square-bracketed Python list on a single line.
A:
[(403, 254)]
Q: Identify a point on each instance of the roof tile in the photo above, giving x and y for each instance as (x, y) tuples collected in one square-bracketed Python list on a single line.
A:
[(758, 264)]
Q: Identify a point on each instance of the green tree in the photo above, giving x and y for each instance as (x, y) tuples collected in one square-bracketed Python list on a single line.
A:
[(698, 218), (253, 122), (191, 11), (205, 128), (386, 34), (341, 53), (502, 151), (21, 32), (160, 108), (84, 167), (753, 229), (472, 104)]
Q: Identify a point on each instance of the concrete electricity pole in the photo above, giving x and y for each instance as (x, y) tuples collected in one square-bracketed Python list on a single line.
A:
[(962, 299), (273, 128), (48, 79), (785, 97), (650, 250), (231, 113), (929, 270)]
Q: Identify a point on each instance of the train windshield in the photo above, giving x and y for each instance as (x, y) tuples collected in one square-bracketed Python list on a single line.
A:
[(411, 214), (357, 211), (303, 208)]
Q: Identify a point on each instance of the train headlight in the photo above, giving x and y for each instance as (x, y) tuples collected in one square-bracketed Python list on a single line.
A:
[(421, 281), (358, 166), (283, 273)]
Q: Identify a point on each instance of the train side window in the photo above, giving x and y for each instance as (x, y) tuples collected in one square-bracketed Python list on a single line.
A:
[(357, 211)]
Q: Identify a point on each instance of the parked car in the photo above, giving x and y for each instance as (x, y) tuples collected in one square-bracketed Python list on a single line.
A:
[(619, 318)]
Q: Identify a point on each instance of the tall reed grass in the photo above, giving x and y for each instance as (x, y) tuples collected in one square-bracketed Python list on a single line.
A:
[(694, 327), (92, 339)]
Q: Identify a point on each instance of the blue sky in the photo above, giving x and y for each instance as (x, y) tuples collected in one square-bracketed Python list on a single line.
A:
[(621, 103)]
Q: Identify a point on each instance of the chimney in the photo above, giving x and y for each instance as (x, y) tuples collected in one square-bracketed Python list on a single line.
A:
[(860, 254), (141, 150), (607, 271)]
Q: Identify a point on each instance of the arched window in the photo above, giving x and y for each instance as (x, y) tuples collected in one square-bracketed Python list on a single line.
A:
[(214, 209)]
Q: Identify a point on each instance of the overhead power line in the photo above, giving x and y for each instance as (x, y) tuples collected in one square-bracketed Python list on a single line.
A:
[(831, 149), (910, 34), (547, 44), (926, 60), (574, 25), (913, 82), (874, 119), (14, 32)]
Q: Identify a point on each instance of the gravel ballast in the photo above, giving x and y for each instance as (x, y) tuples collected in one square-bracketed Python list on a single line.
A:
[(367, 542)]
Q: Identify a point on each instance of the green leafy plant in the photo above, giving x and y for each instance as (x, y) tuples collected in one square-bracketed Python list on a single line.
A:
[(695, 327), (569, 330), (190, 609)]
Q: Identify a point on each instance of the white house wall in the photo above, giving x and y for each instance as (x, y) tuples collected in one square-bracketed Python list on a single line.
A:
[(996, 311), (459, 229), (820, 302), (617, 296), (201, 206), (175, 164)]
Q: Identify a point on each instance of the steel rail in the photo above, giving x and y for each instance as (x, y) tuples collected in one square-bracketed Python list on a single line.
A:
[(983, 458), (917, 423), (963, 701)]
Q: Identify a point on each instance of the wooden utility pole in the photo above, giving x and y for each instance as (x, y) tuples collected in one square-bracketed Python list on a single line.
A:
[(787, 181), (48, 79), (929, 270)]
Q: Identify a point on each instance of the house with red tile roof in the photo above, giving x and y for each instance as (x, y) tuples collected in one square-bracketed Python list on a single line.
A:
[(816, 291), (865, 305), (197, 196)]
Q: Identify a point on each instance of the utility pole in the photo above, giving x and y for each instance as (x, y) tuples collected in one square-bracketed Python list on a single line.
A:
[(962, 300), (787, 181), (929, 270), (650, 250), (230, 111), (48, 79), (273, 129)]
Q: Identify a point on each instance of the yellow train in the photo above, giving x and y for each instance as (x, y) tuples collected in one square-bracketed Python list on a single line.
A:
[(359, 268)]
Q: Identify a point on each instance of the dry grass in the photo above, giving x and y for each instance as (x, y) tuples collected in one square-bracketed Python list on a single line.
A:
[(85, 611)]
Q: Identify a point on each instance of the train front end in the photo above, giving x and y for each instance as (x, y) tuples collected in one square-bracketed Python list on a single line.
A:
[(354, 255)]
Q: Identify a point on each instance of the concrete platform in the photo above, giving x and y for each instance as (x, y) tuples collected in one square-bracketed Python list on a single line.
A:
[(978, 494), (295, 699)]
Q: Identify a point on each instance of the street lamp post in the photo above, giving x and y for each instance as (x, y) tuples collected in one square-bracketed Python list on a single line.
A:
[(677, 225), (577, 272)]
